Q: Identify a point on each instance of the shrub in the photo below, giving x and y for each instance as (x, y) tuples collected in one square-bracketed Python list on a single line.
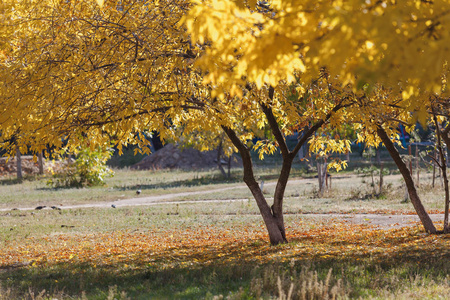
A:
[(89, 169)]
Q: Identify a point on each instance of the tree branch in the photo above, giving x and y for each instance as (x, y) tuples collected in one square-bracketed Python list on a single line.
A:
[(274, 125), (315, 127)]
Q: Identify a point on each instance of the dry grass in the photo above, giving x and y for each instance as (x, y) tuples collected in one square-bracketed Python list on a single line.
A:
[(214, 250), (348, 193)]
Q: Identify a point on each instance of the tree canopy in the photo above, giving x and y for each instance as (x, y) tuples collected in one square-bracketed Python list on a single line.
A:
[(403, 45), (73, 69), (74, 72)]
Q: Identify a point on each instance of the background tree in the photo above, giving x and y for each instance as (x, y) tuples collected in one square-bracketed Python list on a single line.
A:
[(440, 115), (74, 70)]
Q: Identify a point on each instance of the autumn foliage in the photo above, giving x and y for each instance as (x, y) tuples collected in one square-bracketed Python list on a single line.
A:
[(111, 71)]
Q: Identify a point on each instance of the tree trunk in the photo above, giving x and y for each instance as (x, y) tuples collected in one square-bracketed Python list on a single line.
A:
[(273, 216), (434, 169), (219, 160), (319, 177), (443, 167), (417, 166), (41, 163), (229, 166), (410, 160), (446, 138), (19, 163), (415, 199), (277, 207), (274, 222), (381, 179), (447, 196)]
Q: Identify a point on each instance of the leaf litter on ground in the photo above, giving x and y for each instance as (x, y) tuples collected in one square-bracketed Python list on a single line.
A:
[(214, 244)]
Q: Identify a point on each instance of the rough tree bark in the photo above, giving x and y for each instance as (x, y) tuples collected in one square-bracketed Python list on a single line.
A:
[(414, 197), (276, 235)]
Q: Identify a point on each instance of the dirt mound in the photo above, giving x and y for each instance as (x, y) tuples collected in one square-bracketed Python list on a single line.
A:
[(9, 166), (172, 157)]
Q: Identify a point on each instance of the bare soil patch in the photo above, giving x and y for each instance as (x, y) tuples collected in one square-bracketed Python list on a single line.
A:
[(8, 165)]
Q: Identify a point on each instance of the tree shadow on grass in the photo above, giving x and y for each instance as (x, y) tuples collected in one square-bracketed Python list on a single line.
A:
[(15, 180), (195, 182), (200, 181), (229, 268)]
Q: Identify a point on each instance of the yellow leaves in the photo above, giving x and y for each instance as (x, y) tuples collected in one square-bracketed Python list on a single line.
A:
[(369, 45), (119, 64), (349, 38), (265, 147), (338, 165), (408, 92), (133, 68), (323, 145), (100, 2)]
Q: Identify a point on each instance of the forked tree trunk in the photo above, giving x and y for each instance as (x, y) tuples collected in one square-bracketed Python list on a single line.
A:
[(414, 197), (273, 216), (274, 222)]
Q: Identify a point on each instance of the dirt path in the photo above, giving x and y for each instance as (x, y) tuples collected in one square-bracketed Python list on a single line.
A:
[(382, 220), (158, 199)]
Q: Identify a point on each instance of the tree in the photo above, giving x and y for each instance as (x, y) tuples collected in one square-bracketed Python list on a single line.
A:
[(362, 42), (440, 110), (72, 70), (99, 74), (78, 71), (394, 53)]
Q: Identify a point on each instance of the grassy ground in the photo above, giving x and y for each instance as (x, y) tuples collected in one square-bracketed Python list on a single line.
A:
[(348, 192), (215, 250)]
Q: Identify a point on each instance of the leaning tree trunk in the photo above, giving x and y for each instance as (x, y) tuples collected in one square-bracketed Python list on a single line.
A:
[(414, 197)]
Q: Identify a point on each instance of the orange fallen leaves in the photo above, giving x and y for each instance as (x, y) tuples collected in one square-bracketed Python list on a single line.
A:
[(190, 247)]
